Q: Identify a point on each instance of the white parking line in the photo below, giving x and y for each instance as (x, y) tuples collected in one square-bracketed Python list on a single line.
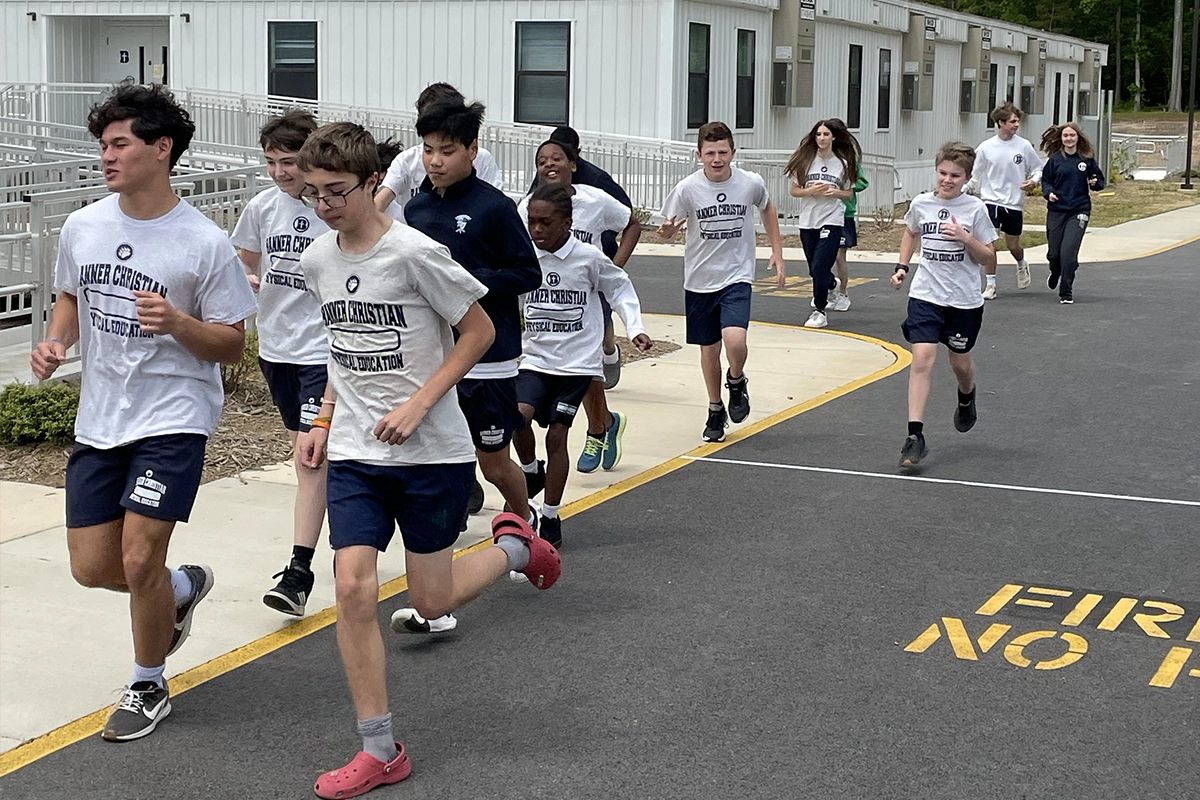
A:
[(975, 484)]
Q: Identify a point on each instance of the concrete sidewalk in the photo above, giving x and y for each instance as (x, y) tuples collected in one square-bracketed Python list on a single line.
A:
[(65, 649)]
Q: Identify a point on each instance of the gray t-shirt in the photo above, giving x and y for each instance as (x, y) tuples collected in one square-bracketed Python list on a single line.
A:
[(137, 384), (948, 275), (719, 250), (389, 313)]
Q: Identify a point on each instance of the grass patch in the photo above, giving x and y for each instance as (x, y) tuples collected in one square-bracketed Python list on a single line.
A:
[(1124, 201), (1150, 116)]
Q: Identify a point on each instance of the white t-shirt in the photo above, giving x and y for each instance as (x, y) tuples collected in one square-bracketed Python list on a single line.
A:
[(947, 274), (592, 213), (564, 326), (407, 172), (388, 312), (280, 227), (816, 212), (719, 250), (1000, 169), (136, 384)]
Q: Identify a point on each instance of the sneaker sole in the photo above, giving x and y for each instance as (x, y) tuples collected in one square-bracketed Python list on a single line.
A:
[(402, 625), (964, 427), (185, 629), (146, 731), (605, 464), (278, 602), (705, 438), (909, 464)]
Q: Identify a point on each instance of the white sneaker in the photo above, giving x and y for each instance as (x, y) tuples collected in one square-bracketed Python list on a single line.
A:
[(840, 303), (407, 620), (989, 292), (1023, 276), (834, 291), (817, 319)]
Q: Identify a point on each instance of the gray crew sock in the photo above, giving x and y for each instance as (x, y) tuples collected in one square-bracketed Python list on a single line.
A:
[(378, 739), (517, 551)]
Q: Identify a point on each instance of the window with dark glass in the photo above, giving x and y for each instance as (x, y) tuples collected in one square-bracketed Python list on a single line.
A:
[(745, 79), (883, 119), (292, 59), (993, 81), (697, 89), (854, 96), (543, 73)]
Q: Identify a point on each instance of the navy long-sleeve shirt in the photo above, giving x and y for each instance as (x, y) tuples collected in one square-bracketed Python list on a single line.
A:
[(589, 174), (1066, 177), (484, 233)]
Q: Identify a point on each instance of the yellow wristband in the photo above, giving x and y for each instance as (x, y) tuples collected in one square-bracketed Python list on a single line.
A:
[(323, 422)]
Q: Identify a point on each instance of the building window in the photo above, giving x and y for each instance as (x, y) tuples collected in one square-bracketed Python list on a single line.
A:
[(292, 65), (1011, 94), (883, 120), (993, 81), (697, 91), (1070, 97), (854, 97), (745, 79), (1057, 97), (543, 72)]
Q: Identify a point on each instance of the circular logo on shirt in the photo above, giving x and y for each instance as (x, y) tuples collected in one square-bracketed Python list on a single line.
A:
[(1081, 166), (553, 279), (352, 284), (149, 473), (944, 214), (300, 224), (824, 169), (124, 252), (1018, 158), (721, 197)]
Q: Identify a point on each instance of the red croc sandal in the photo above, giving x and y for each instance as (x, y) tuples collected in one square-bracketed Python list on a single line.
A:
[(362, 775), (544, 565)]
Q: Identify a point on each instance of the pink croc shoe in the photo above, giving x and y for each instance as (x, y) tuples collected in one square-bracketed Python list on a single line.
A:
[(362, 775), (544, 563)]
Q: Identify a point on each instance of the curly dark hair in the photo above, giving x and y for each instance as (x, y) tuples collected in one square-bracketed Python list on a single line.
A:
[(557, 196), (154, 112)]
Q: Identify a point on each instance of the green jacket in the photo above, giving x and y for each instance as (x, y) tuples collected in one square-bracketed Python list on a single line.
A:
[(859, 185)]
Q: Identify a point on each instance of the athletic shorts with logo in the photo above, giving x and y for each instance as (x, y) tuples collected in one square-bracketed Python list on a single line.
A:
[(156, 477), (1006, 220), (554, 398), (849, 233), (296, 390), (957, 328), (709, 312), (490, 406), (428, 502)]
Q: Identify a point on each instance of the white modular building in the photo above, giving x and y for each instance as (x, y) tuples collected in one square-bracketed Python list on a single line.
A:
[(905, 76)]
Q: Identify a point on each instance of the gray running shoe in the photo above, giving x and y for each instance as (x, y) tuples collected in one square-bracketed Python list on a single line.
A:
[(612, 373), (914, 450), (202, 583), (142, 706), (714, 429)]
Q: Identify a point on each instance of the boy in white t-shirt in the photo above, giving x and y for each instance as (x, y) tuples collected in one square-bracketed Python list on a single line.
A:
[(1006, 166), (154, 294), (956, 239), (292, 347), (398, 446), (718, 265)]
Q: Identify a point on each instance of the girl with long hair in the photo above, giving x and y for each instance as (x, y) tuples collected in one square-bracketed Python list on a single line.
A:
[(1069, 175), (823, 171)]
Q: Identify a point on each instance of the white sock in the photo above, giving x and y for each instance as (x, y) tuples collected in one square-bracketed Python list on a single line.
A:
[(549, 511), (151, 674), (613, 357), (181, 584), (531, 467), (991, 280)]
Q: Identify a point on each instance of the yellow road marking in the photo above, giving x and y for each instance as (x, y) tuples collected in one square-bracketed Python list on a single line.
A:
[(93, 723), (1165, 249)]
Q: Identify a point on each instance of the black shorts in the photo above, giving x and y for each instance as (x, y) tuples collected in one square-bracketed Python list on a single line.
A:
[(1005, 219), (957, 328), (554, 398), (849, 234), (428, 501), (296, 390), (708, 313), (156, 477), (490, 406)]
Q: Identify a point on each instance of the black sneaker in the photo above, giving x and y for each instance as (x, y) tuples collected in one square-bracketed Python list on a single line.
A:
[(291, 593), (550, 529), (714, 429), (739, 397), (1066, 300), (202, 583), (141, 707), (914, 450), (964, 416), (535, 481), (1052, 281), (475, 504)]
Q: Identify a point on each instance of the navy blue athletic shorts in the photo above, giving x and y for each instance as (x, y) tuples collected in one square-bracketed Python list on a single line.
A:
[(1005, 219), (849, 234), (709, 312), (554, 398), (428, 501), (957, 328), (156, 477), (296, 390), (490, 406)]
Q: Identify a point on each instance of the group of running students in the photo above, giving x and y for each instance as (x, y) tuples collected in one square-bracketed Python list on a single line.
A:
[(414, 321)]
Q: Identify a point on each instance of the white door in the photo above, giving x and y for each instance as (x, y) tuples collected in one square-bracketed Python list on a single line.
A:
[(133, 50)]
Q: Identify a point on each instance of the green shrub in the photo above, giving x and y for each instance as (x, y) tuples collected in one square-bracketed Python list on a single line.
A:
[(235, 375), (44, 413)]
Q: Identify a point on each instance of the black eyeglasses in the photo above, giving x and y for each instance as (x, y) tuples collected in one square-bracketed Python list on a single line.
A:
[(332, 200)]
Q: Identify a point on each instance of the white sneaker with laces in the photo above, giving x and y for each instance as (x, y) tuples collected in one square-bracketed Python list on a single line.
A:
[(840, 303), (1023, 276), (817, 319), (407, 620), (989, 292)]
